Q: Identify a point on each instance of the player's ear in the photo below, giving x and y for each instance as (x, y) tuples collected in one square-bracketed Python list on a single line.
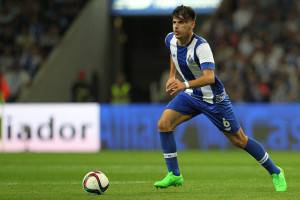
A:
[(193, 24)]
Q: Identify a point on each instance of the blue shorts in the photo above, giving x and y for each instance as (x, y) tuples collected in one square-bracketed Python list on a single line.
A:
[(220, 114)]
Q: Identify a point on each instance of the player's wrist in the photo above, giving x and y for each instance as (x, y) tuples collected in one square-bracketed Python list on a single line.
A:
[(186, 84)]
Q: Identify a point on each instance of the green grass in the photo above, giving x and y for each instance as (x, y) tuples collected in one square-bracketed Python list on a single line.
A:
[(208, 176)]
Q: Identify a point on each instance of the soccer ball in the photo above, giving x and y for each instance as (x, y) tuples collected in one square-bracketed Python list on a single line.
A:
[(95, 182)]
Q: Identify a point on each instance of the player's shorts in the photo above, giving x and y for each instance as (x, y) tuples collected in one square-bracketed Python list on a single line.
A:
[(219, 113)]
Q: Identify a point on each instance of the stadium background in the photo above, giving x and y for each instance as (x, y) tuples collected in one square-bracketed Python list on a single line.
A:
[(62, 62)]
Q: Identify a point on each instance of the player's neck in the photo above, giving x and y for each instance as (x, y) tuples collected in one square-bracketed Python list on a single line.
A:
[(186, 40)]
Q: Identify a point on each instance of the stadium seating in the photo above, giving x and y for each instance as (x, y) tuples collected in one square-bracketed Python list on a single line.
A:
[(256, 48), (29, 31)]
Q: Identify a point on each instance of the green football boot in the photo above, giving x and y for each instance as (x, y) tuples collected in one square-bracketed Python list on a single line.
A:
[(169, 180), (279, 181)]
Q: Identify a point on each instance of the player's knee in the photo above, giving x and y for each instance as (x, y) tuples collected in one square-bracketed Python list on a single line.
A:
[(239, 141), (164, 125)]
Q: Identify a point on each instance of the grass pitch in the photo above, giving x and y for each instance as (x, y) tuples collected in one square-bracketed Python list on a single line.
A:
[(208, 175)]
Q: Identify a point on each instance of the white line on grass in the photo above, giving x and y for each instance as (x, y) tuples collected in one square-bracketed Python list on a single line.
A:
[(68, 183)]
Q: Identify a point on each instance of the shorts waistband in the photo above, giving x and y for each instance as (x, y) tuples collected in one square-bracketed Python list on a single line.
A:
[(216, 99)]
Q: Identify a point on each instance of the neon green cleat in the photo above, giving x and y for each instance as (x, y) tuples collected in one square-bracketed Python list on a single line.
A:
[(279, 181), (169, 180)]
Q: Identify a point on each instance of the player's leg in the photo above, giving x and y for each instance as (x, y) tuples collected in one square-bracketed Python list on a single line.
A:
[(222, 115), (166, 124), (180, 109), (256, 150)]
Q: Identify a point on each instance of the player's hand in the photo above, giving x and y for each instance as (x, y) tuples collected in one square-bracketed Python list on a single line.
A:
[(169, 82), (175, 86)]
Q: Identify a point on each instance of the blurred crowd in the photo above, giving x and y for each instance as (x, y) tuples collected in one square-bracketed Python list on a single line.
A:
[(29, 29), (256, 46)]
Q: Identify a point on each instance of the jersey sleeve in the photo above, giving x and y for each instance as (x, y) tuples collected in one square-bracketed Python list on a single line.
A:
[(205, 56), (168, 40)]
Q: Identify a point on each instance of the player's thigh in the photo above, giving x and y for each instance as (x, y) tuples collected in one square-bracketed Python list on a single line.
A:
[(170, 119), (223, 117)]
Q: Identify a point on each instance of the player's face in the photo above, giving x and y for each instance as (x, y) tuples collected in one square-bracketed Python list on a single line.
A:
[(182, 28)]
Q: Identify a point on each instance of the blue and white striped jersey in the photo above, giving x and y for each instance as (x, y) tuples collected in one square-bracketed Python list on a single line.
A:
[(190, 60)]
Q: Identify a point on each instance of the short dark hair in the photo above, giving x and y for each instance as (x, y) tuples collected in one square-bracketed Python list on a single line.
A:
[(184, 12)]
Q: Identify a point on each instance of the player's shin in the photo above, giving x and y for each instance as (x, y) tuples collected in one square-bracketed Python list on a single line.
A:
[(255, 149), (168, 145)]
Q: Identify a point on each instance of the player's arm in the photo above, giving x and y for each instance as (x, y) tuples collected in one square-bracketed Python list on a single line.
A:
[(172, 69), (207, 78), (172, 75)]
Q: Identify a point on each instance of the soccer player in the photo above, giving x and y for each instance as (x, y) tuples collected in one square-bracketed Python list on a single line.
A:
[(200, 92)]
